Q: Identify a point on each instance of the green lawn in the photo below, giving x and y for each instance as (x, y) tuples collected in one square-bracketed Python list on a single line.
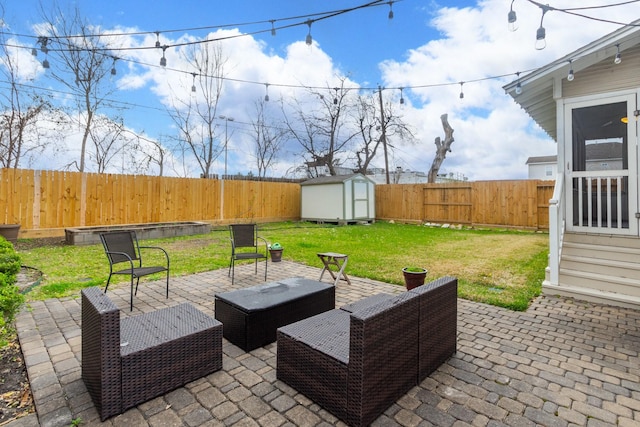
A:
[(498, 267)]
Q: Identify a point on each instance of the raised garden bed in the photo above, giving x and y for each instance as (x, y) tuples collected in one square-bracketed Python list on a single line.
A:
[(156, 230)]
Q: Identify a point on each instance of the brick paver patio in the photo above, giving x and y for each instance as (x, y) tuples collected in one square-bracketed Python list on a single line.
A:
[(561, 363)]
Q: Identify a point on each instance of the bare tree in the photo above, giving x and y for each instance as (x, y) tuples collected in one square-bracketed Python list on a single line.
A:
[(268, 137), (20, 110), (81, 61), (197, 117), (322, 118), (111, 142), (370, 124), (442, 147)]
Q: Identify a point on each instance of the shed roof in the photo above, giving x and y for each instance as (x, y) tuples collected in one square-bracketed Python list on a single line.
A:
[(333, 179), (537, 97)]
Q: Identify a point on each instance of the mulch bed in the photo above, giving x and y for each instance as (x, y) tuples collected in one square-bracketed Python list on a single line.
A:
[(16, 399), (15, 393)]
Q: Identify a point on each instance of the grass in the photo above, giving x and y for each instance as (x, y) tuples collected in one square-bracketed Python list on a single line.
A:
[(498, 267)]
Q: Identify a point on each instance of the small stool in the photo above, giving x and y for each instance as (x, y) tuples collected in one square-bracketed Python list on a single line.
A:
[(339, 260)]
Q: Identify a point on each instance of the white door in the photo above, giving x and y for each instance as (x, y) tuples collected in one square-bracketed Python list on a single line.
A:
[(601, 164)]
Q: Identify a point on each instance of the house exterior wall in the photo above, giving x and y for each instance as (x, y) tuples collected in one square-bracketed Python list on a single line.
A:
[(543, 170), (605, 76)]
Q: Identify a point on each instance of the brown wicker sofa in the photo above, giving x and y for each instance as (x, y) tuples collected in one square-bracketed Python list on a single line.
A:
[(128, 361), (356, 361)]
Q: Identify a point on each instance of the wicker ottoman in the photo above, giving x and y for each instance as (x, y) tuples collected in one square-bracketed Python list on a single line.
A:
[(251, 316)]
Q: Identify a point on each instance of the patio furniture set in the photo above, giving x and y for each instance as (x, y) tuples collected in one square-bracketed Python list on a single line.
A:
[(354, 361)]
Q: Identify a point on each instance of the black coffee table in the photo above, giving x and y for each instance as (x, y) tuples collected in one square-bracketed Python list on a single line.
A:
[(250, 316)]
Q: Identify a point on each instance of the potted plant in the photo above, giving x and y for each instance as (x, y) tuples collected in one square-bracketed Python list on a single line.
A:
[(275, 249), (414, 276), (10, 232)]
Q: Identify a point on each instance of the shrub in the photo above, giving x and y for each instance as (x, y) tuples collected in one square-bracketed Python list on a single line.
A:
[(10, 297)]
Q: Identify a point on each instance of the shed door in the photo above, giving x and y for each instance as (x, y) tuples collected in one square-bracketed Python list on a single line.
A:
[(360, 199), (600, 144)]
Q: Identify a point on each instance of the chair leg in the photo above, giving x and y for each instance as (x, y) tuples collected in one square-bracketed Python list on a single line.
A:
[(265, 269), (131, 302), (107, 287), (167, 283), (233, 272)]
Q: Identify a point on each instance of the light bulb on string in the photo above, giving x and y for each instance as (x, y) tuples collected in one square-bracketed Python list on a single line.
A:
[(309, 39), (43, 44), (45, 63), (461, 92), (618, 58), (518, 85), (401, 97), (158, 39), (113, 67), (266, 96), (390, 10), (163, 60), (512, 18), (541, 33), (570, 76), (273, 28), (335, 99), (193, 85)]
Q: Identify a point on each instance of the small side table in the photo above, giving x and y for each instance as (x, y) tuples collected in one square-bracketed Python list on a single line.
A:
[(334, 259)]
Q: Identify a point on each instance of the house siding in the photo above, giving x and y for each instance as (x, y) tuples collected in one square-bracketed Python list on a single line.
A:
[(605, 76)]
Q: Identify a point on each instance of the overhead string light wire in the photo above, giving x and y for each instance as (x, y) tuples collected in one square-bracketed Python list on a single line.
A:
[(541, 31)]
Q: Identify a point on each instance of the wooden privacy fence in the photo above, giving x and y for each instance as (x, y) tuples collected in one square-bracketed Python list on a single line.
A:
[(47, 202), (518, 204)]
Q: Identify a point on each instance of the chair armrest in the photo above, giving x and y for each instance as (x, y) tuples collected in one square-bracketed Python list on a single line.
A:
[(266, 245), (123, 254), (166, 255)]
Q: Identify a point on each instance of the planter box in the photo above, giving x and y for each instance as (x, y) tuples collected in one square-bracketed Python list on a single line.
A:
[(91, 235)]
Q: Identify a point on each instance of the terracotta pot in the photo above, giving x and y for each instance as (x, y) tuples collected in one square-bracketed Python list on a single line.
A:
[(276, 255), (413, 279), (10, 231)]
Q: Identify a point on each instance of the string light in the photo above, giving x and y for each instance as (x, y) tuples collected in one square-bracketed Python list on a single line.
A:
[(309, 39), (518, 86), (541, 33), (193, 85), (158, 39), (335, 99), (461, 92), (273, 28), (163, 60), (266, 96), (570, 76), (113, 67), (512, 18), (45, 63), (401, 97), (391, 10), (618, 58)]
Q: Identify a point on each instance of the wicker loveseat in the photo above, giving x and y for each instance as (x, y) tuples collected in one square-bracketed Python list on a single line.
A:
[(356, 361), (128, 361)]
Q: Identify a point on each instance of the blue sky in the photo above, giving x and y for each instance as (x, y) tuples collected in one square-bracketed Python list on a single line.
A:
[(428, 45)]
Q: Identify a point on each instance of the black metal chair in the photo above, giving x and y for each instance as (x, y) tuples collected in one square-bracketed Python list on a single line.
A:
[(123, 247), (244, 245)]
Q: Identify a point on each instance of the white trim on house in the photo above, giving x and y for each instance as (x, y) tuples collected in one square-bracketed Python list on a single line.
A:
[(594, 234)]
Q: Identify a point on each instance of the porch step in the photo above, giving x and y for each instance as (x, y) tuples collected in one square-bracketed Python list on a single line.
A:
[(600, 282), (601, 263)]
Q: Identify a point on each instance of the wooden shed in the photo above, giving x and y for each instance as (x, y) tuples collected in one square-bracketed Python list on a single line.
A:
[(342, 199)]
